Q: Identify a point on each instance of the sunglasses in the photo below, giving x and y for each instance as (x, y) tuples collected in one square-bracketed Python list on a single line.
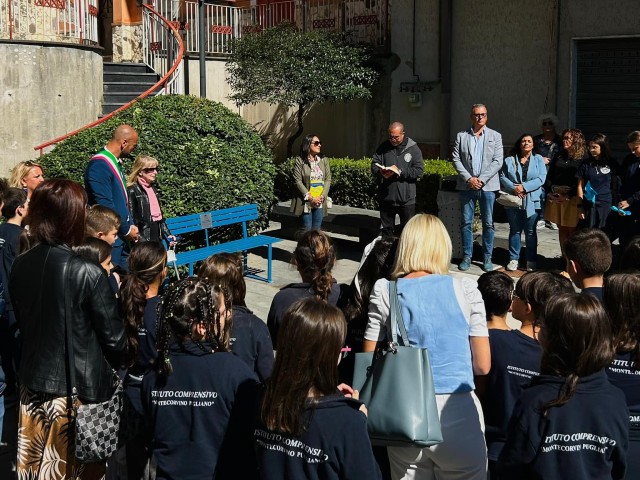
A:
[(317, 143), (547, 124), (151, 169), (479, 115)]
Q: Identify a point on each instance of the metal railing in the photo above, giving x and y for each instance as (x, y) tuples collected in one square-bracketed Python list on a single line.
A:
[(67, 21), (163, 50), (361, 20)]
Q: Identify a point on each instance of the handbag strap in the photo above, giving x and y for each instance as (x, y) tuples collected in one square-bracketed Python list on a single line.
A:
[(395, 317), (71, 386)]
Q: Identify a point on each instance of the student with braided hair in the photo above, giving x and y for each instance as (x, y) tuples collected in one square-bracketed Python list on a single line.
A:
[(250, 338), (138, 307), (314, 258), (200, 399)]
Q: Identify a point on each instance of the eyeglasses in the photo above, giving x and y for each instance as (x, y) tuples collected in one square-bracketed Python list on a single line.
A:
[(479, 115), (547, 124), (396, 137), (317, 143), (151, 169)]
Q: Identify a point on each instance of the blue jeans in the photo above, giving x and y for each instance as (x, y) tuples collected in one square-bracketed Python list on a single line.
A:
[(312, 220), (518, 221), (468, 199)]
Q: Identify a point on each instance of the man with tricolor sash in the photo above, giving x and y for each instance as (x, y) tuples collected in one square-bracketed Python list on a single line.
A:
[(106, 185)]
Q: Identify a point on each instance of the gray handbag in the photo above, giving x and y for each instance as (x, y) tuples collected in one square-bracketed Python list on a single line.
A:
[(507, 199), (397, 387)]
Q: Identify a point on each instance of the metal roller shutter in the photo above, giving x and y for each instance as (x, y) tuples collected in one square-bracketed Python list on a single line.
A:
[(608, 89)]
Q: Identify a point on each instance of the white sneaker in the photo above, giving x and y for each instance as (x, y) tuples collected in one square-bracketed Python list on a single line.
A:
[(512, 266), (540, 224), (531, 266)]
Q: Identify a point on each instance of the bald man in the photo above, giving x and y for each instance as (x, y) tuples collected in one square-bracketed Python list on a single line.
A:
[(106, 185), (398, 165)]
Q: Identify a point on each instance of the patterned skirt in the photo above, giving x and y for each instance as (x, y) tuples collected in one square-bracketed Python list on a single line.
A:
[(46, 440)]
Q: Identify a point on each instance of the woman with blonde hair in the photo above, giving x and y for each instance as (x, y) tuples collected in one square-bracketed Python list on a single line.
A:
[(26, 175), (447, 316), (143, 200)]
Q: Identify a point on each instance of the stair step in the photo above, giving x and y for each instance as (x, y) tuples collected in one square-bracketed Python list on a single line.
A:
[(126, 87), (121, 97), (110, 67), (130, 77)]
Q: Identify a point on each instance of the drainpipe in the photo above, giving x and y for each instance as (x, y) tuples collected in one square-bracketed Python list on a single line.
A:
[(557, 82), (201, 41), (446, 27)]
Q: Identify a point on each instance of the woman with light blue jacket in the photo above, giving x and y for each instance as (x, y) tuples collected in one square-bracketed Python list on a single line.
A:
[(523, 175)]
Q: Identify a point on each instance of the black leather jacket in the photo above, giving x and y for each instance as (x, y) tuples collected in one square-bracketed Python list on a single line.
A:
[(37, 287), (141, 212)]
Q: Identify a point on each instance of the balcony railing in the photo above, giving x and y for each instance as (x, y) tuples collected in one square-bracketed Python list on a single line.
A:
[(67, 21), (361, 20)]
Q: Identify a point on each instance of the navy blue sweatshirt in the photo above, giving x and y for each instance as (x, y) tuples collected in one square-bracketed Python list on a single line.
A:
[(335, 445), (291, 293), (147, 352), (251, 342), (623, 375), (202, 415), (586, 438), (515, 358)]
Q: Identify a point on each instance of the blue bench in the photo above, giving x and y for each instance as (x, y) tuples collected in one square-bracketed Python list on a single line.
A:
[(206, 221)]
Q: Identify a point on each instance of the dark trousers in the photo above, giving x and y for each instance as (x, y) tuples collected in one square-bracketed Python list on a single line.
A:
[(388, 217)]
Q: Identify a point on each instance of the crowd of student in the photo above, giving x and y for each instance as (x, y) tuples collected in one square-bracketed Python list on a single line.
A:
[(207, 398)]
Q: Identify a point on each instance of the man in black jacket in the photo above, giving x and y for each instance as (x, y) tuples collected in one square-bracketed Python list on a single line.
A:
[(397, 164)]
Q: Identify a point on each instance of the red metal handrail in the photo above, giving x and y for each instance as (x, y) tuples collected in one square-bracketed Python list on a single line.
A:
[(162, 82)]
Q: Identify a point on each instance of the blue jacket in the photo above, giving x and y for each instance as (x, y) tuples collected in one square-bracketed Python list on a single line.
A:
[(104, 188), (536, 175)]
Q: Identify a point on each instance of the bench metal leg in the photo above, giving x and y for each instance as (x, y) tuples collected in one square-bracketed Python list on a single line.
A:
[(257, 277), (269, 279)]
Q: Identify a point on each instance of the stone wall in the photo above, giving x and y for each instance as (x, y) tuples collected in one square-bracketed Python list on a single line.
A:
[(127, 43), (45, 92)]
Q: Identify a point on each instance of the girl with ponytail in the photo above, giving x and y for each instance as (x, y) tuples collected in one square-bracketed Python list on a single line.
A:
[(571, 422), (200, 399), (314, 258), (138, 308)]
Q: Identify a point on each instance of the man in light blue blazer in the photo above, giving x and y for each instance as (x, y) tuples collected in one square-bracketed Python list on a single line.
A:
[(478, 157)]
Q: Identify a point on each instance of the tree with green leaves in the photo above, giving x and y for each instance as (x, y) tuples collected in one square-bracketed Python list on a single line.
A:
[(287, 66)]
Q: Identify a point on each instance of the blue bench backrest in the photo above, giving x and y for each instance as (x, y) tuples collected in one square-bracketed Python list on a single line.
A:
[(213, 219)]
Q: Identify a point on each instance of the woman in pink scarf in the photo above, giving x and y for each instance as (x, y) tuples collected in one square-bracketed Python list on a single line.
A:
[(143, 201)]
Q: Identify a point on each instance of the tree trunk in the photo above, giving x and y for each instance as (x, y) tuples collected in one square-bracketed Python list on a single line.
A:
[(297, 133)]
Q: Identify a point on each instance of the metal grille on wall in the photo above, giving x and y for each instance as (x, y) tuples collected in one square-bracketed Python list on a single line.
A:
[(608, 89), (361, 20)]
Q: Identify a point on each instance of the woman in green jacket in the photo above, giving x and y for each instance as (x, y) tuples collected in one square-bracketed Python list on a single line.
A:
[(313, 180)]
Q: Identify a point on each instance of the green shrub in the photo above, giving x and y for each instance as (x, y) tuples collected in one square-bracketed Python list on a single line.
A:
[(352, 183), (210, 158)]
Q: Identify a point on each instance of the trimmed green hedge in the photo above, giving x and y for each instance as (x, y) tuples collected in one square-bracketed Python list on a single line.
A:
[(352, 183), (210, 158)]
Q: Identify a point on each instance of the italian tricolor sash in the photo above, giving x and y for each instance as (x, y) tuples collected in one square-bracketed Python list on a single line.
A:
[(110, 159)]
